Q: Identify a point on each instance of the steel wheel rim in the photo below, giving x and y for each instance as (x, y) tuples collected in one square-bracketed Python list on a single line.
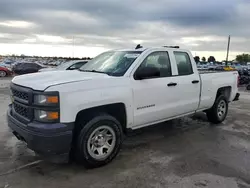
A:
[(2, 74), (101, 142), (221, 110)]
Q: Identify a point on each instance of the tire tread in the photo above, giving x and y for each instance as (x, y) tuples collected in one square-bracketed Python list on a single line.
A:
[(212, 115), (81, 154)]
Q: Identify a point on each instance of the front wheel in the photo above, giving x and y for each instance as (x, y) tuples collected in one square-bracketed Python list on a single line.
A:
[(218, 112), (3, 74), (99, 141)]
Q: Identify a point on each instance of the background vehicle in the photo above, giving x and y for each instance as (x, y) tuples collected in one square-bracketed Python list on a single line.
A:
[(229, 68), (244, 76), (219, 68), (87, 112), (5, 72), (70, 65), (7, 63), (25, 68)]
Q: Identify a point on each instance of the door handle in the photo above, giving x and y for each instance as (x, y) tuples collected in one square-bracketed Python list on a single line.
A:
[(195, 81), (172, 84)]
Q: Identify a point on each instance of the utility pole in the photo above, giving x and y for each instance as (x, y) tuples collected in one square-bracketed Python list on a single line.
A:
[(228, 46), (73, 47)]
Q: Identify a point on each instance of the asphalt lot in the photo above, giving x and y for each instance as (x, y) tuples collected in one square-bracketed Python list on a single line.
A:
[(187, 152)]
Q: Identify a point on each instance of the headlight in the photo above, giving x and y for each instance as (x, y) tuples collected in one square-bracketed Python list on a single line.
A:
[(46, 116), (46, 99)]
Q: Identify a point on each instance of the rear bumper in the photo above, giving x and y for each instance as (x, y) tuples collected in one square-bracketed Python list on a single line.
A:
[(51, 141), (236, 98)]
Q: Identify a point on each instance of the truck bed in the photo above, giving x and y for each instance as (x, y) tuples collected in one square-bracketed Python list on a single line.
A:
[(211, 82), (213, 71)]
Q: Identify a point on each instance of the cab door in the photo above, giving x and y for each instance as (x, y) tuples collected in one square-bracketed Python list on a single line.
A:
[(188, 86), (154, 98)]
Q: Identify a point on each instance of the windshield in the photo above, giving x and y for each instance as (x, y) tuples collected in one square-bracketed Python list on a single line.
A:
[(41, 65), (114, 63), (65, 65)]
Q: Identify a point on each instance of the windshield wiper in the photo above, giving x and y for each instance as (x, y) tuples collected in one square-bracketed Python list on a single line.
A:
[(95, 71)]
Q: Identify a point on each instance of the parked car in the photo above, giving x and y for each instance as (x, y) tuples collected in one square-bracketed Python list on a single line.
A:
[(70, 65), (229, 68), (244, 79), (86, 113), (219, 68), (7, 64), (212, 67), (244, 76), (25, 68), (5, 72), (15, 64)]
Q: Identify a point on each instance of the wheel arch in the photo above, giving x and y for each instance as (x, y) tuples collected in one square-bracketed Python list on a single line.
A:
[(117, 110), (226, 91)]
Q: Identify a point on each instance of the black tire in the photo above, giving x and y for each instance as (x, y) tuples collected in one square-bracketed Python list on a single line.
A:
[(3, 73), (213, 114), (248, 87), (81, 151)]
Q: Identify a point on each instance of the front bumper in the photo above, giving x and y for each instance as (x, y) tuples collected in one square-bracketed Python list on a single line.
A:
[(236, 98), (52, 141)]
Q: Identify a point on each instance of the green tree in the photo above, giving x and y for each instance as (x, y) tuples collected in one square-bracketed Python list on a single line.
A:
[(197, 59), (203, 59), (211, 59), (243, 58)]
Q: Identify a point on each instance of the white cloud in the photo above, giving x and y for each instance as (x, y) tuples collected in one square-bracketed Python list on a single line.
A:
[(202, 39), (50, 50), (51, 39), (4, 35), (201, 26), (30, 40), (16, 24)]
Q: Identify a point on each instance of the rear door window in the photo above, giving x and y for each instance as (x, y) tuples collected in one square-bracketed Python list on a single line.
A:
[(184, 64)]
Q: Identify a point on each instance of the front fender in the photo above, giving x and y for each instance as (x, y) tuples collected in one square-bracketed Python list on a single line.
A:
[(74, 101)]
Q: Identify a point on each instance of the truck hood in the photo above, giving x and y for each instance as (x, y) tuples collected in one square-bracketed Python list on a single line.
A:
[(47, 69), (42, 80)]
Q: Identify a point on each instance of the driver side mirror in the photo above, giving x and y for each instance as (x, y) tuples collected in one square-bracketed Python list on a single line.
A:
[(147, 73)]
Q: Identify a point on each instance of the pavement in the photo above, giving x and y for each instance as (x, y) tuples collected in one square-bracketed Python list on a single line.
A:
[(187, 152)]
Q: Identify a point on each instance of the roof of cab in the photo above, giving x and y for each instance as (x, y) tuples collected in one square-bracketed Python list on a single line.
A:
[(152, 48), (131, 49)]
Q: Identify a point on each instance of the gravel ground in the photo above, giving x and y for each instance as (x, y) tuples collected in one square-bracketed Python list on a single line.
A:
[(187, 152)]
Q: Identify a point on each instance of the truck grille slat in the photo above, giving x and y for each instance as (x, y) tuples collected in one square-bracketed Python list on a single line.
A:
[(20, 95), (21, 110), (21, 104)]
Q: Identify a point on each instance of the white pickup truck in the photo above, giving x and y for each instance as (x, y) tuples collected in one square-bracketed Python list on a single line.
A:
[(88, 111)]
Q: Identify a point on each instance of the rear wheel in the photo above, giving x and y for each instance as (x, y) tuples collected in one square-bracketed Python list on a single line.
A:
[(218, 112), (99, 141), (3, 73)]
